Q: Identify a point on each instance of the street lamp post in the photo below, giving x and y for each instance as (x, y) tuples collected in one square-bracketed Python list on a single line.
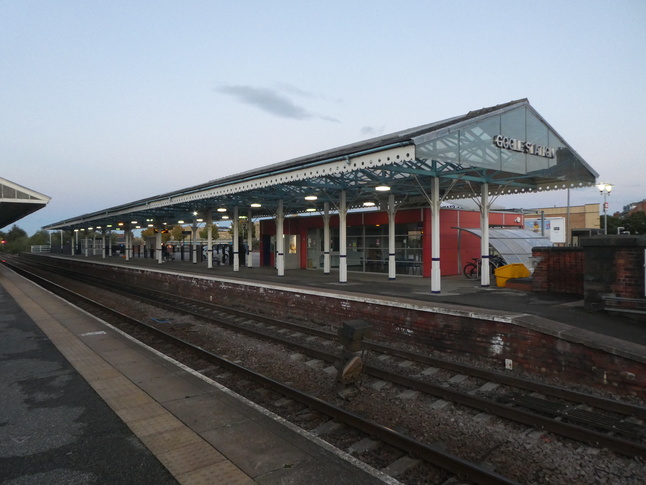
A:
[(605, 190)]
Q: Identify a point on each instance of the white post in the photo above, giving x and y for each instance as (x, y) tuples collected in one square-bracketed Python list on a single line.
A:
[(326, 238), (158, 245), (127, 234), (436, 272), (343, 245), (392, 267), (87, 245), (110, 243), (249, 240), (194, 242), (485, 276), (103, 248), (236, 240), (209, 239), (280, 241)]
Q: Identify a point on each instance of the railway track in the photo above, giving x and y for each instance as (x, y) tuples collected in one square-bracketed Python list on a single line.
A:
[(453, 465), (596, 421)]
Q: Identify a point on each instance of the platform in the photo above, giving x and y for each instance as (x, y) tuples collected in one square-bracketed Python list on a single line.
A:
[(456, 291), (81, 402)]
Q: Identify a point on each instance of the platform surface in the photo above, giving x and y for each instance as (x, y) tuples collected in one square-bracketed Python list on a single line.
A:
[(82, 403)]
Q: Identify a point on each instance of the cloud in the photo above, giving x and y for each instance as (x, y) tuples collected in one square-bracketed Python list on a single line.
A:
[(372, 130), (272, 101)]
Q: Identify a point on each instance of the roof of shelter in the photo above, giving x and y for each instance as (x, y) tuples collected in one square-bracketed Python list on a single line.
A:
[(510, 147), (17, 202), (514, 245)]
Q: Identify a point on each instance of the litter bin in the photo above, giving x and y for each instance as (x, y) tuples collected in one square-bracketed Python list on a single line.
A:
[(509, 271)]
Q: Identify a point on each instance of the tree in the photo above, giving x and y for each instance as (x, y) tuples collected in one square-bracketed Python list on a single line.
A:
[(203, 233), (634, 223), (39, 238)]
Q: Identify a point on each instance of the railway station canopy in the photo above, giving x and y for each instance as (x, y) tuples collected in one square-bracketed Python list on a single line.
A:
[(507, 149), (17, 202)]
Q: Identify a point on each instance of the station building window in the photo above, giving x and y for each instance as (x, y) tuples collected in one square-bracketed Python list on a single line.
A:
[(367, 248)]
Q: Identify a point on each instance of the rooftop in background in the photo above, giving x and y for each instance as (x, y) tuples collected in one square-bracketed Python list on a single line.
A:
[(17, 202), (509, 148)]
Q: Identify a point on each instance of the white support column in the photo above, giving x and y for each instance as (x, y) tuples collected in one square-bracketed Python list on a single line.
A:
[(76, 242), (436, 272), (392, 267), (485, 275), (326, 238), (194, 241), (94, 245), (209, 240), (236, 240), (110, 243), (158, 245), (343, 244), (249, 240), (87, 246), (280, 240), (103, 248), (127, 234)]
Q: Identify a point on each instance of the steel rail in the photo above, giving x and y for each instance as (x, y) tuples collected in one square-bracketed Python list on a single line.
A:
[(464, 469)]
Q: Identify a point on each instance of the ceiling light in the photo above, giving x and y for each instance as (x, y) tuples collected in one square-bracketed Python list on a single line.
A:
[(180, 222), (310, 209), (222, 209), (255, 205), (368, 204), (311, 197), (199, 220), (225, 217), (382, 188)]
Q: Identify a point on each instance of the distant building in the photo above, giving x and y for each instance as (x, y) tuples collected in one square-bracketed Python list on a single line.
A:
[(634, 207), (564, 227)]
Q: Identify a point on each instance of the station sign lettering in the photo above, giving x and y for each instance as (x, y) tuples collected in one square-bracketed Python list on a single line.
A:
[(523, 146)]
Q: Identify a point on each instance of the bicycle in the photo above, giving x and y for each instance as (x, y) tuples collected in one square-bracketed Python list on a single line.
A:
[(472, 269)]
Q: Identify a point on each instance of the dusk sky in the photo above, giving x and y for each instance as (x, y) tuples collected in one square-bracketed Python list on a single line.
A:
[(103, 103)]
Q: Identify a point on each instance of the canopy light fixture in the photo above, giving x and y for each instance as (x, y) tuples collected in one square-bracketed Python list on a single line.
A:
[(222, 209), (109, 225), (255, 205), (120, 224), (369, 204), (199, 220), (225, 217), (311, 197), (180, 222), (151, 225), (310, 209), (194, 213), (382, 188)]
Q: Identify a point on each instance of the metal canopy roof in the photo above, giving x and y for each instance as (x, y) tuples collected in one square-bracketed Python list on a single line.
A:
[(17, 202), (514, 245), (509, 146)]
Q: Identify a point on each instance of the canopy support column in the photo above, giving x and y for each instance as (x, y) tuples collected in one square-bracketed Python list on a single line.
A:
[(436, 273), (236, 239), (249, 240), (343, 245), (392, 266), (127, 235), (109, 243), (326, 238), (280, 240), (158, 245), (485, 275), (209, 239), (194, 242)]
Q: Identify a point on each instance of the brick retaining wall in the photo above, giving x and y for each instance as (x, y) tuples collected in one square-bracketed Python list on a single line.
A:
[(448, 331)]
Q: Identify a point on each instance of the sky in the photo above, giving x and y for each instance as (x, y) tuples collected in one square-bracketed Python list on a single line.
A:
[(103, 103)]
